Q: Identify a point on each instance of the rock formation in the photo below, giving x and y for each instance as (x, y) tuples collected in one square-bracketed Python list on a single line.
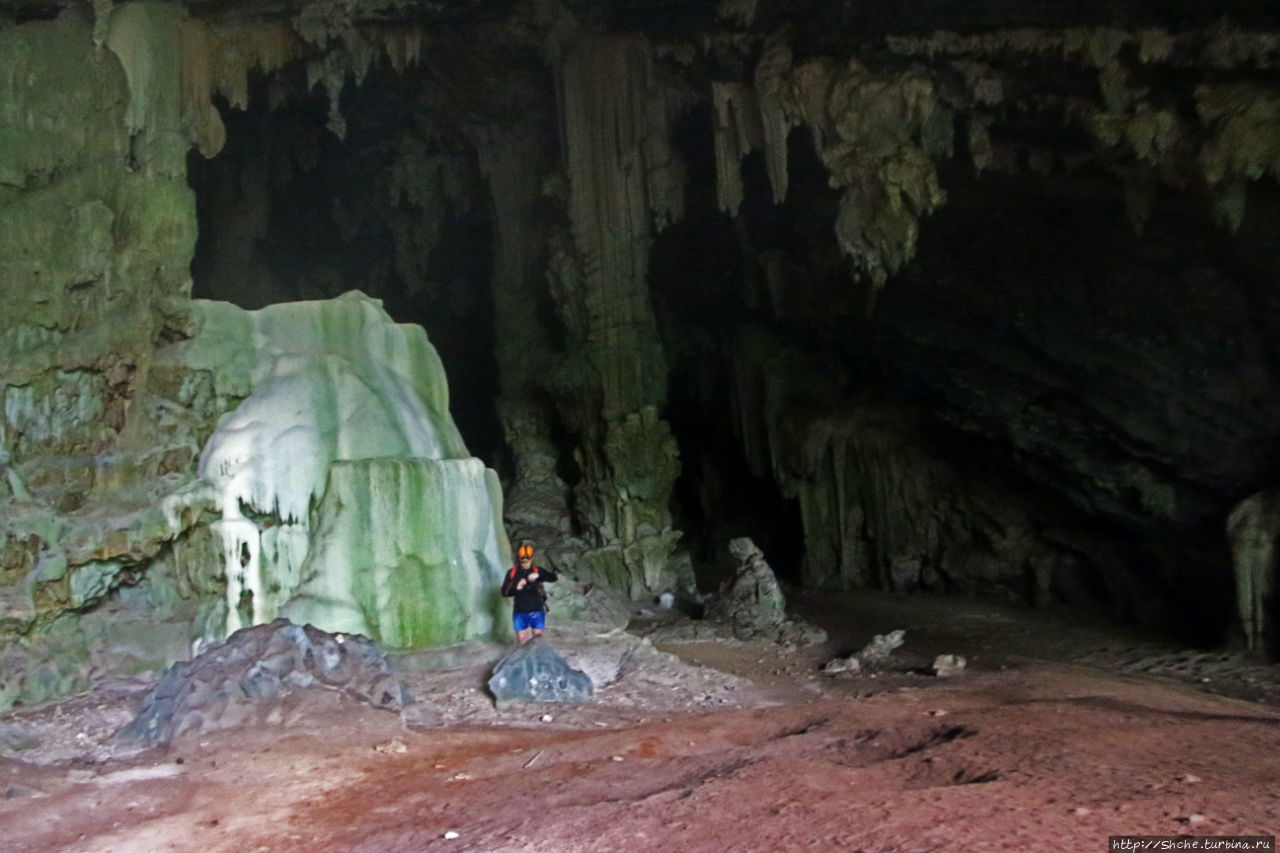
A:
[(534, 672), (751, 606), (246, 676), (1254, 530)]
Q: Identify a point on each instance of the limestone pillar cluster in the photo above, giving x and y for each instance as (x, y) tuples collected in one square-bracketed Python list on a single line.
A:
[(623, 184)]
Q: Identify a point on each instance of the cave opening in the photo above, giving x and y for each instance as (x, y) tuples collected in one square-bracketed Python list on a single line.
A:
[(704, 290), (1017, 345), (395, 208)]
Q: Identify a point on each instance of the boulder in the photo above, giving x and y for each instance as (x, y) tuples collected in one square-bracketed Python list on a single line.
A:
[(232, 683), (535, 672)]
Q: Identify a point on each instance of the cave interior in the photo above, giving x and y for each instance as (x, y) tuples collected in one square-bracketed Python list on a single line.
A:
[(951, 298)]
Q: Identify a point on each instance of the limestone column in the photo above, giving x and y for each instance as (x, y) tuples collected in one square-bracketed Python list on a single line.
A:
[(624, 183)]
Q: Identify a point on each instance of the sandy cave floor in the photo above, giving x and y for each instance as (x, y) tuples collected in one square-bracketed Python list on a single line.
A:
[(1058, 735)]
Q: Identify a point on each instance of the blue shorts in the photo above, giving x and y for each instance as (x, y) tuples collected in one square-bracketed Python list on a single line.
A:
[(536, 620)]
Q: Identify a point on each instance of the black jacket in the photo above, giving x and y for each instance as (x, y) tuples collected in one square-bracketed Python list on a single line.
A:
[(532, 598)]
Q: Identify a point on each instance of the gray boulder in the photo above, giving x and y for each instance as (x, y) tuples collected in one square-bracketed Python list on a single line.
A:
[(535, 672)]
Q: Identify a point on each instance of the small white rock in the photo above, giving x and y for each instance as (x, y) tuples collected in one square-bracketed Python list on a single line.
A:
[(450, 835), (546, 718)]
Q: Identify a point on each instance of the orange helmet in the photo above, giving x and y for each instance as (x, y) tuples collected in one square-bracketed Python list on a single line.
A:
[(526, 550)]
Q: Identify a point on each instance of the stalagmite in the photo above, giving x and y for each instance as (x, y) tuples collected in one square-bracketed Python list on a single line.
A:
[(1253, 529)]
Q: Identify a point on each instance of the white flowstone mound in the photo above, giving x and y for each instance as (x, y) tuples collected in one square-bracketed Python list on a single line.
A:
[(348, 499)]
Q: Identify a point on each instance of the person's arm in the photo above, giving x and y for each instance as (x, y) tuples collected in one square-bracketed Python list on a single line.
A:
[(547, 575), (509, 584)]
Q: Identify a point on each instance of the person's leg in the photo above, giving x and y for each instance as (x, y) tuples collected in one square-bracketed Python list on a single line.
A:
[(538, 623), (523, 625)]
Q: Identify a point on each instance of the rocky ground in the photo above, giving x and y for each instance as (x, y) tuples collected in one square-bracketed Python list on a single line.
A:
[(1058, 734)]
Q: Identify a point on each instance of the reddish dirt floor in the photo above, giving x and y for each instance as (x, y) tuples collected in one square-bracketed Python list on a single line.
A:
[(1026, 750)]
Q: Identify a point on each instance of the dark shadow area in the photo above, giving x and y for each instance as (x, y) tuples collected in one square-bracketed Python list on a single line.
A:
[(289, 211)]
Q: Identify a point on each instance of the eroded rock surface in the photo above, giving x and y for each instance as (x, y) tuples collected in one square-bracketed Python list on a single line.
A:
[(238, 681)]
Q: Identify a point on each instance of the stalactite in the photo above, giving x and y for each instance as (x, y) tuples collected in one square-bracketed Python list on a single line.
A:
[(741, 12), (1244, 142), (145, 37), (218, 61), (737, 133), (985, 84), (1140, 140), (1219, 47), (403, 47), (877, 136), (771, 83)]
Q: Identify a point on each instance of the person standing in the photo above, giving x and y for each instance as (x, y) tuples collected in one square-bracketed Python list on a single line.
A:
[(524, 584)]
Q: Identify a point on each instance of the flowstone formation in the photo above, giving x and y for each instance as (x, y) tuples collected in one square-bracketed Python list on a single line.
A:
[(346, 496), (332, 488)]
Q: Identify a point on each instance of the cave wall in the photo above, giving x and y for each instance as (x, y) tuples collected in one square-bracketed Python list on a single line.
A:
[(96, 230)]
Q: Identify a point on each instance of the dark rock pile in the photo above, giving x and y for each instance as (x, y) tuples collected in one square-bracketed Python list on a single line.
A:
[(232, 683)]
